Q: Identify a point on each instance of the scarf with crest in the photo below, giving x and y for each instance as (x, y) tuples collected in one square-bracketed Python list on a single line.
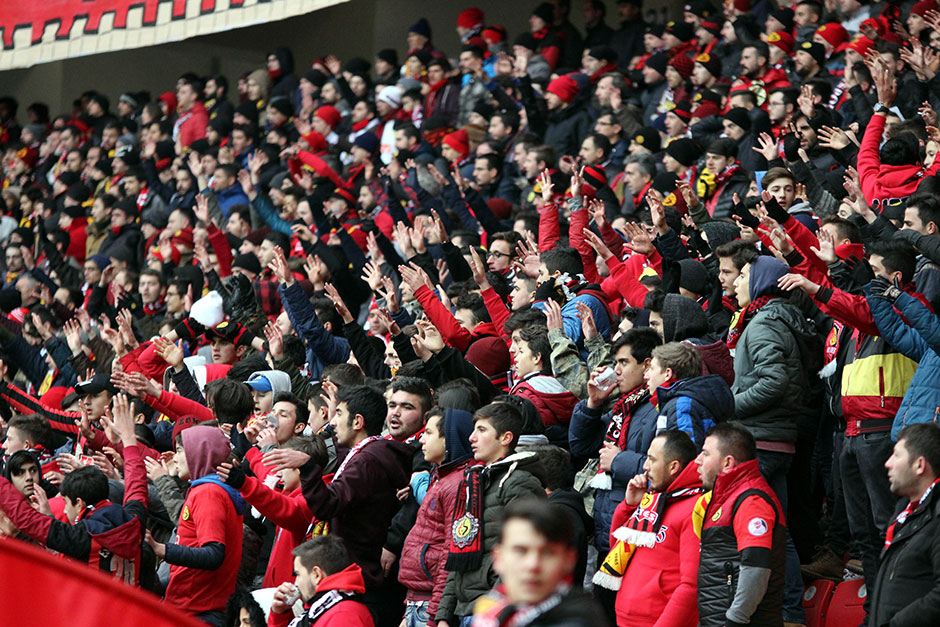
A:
[(617, 430), (709, 183), (740, 320), (643, 526)]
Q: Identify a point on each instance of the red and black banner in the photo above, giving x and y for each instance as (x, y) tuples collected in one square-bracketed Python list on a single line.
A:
[(38, 31)]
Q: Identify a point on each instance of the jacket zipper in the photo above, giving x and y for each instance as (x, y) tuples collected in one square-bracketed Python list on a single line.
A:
[(881, 384)]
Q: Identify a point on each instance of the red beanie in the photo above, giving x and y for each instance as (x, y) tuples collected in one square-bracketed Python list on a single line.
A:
[(470, 18), (783, 40), (459, 141), (490, 355), (315, 140), (742, 5), (564, 87), (499, 207), (683, 64), (345, 194), (494, 34), (330, 115), (861, 45), (923, 6), (834, 33)]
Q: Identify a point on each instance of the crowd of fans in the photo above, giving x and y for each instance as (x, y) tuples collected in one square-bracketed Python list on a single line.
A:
[(631, 326)]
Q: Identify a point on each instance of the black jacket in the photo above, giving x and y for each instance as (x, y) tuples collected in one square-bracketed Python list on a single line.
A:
[(907, 588)]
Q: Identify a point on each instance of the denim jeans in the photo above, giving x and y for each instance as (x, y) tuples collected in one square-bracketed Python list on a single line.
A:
[(773, 468), (466, 621), (869, 503), (416, 613)]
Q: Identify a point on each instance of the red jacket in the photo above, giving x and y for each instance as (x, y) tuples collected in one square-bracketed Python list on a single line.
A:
[(659, 586), (425, 552), (881, 182), (451, 330), (552, 400), (292, 517), (348, 613), (193, 125)]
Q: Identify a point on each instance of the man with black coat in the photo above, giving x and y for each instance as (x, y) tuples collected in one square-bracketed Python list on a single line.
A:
[(907, 591)]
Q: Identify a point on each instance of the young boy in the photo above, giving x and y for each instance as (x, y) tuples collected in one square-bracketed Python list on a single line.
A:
[(533, 378), (106, 536), (204, 563), (498, 478), (686, 400)]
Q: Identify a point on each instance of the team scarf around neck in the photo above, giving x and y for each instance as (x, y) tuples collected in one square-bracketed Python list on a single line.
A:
[(617, 431), (466, 536), (495, 610), (353, 452), (709, 183), (904, 515), (743, 317), (414, 438), (640, 530)]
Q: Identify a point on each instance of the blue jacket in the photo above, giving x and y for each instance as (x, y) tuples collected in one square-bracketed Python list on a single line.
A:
[(693, 405), (585, 438), (920, 341), (230, 196), (323, 348), (571, 321)]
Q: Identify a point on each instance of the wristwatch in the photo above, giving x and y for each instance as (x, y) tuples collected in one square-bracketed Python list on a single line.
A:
[(880, 107)]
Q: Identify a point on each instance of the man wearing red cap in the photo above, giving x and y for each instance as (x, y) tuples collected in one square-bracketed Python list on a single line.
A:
[(325, 120), (567, 122), (456, 149), (469, 24), (780, 45)]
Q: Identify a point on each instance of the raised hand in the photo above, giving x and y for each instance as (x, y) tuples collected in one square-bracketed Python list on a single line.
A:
[(767, 147), (528, 253), (640, 240), (588, 326), (430, 336), (171, 353), (122, 420), (279, 267), (414, 276), (792, 281), (827, 247), (389, 294), (479, 269), (338, 303), (546, 186), (595, 242), (553, 315), (275, 338)]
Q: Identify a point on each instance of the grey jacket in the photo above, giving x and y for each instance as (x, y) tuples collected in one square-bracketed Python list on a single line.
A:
[(769, 379)]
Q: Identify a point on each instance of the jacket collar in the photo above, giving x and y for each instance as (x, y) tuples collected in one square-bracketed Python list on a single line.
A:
[(730, 481)]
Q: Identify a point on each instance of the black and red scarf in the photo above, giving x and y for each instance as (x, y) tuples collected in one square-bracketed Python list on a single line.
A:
[(744, 316), (466, 533), (156, 307), (644, 523), (617, 430), (904, 515)]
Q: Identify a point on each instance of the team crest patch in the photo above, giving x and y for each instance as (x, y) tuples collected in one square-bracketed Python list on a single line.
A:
[(186, 512), (465, 530), (757, 527), (717, 515), (647, 500)]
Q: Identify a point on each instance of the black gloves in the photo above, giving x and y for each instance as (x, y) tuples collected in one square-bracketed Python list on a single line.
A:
[(881, 287), (744, 216), (775, 211), (236, 478)]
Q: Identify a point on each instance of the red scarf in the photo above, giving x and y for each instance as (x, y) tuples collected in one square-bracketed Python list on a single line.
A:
[(903, 516), (155, 307), (737, 326), (411, 439), (466, 536), (361, 124), (495, 610), (617, 430)]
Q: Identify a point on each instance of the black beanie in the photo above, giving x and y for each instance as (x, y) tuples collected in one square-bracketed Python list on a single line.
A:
[(684, 150), (740, 117)]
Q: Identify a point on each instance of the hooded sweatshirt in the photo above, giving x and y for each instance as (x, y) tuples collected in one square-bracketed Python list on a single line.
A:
[(280, 382), (212, 513), (425, 552), (350, 611), (684, 320)]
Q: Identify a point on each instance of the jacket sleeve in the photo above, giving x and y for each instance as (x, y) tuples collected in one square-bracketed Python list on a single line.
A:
[(136, 494), (869, 160), (770, 372), (176, 406), (621, 514), (567, 365), (499, 312), (448, 604), (303, 317), (923, 320), (263, 207), (893, 329), (72, 540), (549, 227), (926, 244), (371, 362), (284, 511), (586, 430), (450, 329), (627, 284), (221, 248), (850, 309), (578, 221)]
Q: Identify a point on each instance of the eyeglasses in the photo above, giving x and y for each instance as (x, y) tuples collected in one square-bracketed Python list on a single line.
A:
[(495, 254)]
